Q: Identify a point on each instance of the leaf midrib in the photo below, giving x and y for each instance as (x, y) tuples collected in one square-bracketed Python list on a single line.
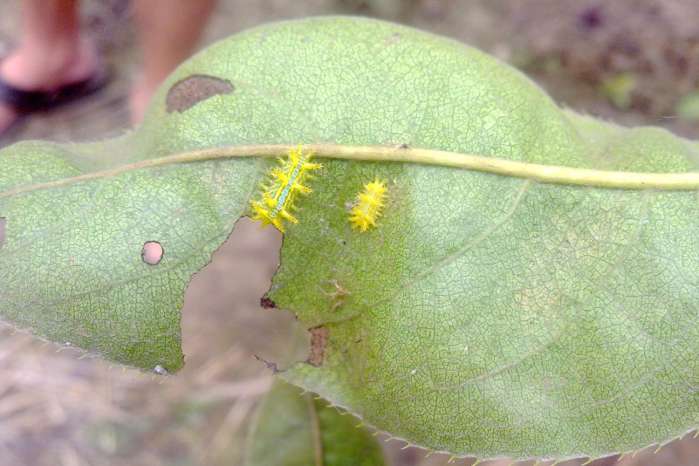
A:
[(549, 174)]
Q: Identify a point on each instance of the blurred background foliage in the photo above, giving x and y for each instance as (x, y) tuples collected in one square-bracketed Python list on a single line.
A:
[(631, 61)]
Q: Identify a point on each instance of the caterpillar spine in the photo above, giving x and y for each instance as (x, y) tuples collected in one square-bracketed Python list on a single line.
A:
[(284, 184), (368, 206)]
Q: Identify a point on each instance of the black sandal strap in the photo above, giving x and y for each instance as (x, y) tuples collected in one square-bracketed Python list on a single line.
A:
[(30, 101)]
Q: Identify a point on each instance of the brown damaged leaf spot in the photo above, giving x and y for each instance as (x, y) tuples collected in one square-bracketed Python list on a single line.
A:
[(152, 252), (267, 303), (3, 223), (319, 339), (188, 92)]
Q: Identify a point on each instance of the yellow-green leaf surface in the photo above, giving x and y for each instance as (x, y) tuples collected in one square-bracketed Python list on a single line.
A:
[(294, 429), (491, 312)]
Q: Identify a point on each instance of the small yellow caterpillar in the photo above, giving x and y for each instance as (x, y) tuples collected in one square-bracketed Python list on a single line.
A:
[(368, 205), (279, 193)]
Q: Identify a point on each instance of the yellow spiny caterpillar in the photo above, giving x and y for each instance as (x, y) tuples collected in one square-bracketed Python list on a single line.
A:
[(368, 205), (279, 193)]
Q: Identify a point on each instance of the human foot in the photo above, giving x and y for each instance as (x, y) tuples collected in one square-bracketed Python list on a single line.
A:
[(32, 69), (141, 92)]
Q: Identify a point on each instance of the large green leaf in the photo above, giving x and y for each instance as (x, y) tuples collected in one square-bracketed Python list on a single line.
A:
[(294, 429), (486, 314)]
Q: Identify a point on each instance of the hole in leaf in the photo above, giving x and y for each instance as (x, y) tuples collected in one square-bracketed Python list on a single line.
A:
[(187, 92), (152, 253), (222, 320)]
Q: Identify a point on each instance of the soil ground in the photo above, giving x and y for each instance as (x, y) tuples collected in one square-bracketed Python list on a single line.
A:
[(633, 61)]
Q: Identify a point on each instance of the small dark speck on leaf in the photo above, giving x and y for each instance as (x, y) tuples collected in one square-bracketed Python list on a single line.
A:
[(187, 92), (3, 223), (404, 146), (319, 339), (152, 252), (267, 303)]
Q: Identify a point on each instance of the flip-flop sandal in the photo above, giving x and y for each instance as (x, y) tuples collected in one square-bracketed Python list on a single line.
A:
[(26, 102)]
